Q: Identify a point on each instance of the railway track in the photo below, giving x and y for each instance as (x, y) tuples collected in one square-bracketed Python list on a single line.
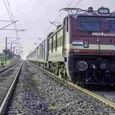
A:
[(40, 93), (6, 68), (106, 97), (8, 80)]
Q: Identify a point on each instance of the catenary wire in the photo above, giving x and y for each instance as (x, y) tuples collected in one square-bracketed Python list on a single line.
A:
[(15, 25), (8, 8)]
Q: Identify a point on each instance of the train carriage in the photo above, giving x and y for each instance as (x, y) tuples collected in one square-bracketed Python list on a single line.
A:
[(55, 42), (32, 56), (55, 50), (42, 54)]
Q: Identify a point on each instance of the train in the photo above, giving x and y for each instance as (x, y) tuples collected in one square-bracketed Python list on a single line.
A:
[(82, 48)]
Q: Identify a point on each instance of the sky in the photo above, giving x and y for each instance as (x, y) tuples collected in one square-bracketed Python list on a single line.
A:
[(34, 16)]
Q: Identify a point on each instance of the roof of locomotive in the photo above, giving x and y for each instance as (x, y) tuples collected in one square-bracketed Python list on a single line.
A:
[(101, 12), (92, 13)]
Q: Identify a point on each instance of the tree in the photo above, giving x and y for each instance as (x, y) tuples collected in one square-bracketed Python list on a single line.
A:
[(8, 53)]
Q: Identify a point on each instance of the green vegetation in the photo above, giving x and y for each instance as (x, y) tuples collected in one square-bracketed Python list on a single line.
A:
[(2, 60)]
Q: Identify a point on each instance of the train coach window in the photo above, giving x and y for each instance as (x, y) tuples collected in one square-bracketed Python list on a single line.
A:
[(54, 41), (59, 42), (59, 38), (50, 45), (111, 26), (89, 25)]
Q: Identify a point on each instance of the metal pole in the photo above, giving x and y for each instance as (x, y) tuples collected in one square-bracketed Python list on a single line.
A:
[(13, 53), (11, 47), (5, 49)]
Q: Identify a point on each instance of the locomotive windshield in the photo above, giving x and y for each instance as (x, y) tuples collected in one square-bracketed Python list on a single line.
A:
[(94, 24), (111, 26), (89, 24)]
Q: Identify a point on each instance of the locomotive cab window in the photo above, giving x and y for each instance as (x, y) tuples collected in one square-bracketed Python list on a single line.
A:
[(111, 26), (89, 24)]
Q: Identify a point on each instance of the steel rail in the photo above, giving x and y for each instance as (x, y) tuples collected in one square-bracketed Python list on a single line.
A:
[(6, 68), (88, 92), (5, 102)]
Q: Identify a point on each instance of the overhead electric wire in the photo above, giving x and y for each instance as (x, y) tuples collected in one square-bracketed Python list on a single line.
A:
[(15, 26), (78, 3), (70, 3), (5, 21), (8, 25), (62, 12), (67, 5), (8, 8)]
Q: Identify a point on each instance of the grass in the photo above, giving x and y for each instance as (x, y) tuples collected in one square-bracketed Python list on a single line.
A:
[(8, 62)]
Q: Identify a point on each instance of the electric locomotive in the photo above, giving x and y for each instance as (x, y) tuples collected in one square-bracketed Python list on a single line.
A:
[(82, 49)]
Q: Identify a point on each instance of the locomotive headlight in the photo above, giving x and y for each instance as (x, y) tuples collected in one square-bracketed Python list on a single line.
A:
[(93, 66), (103, 10), (82, 66), (86, 44)]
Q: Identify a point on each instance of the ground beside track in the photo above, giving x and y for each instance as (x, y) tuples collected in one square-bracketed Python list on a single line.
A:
[(38, 94)]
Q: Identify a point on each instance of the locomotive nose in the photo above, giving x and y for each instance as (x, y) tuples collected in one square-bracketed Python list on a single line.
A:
[(82, 66)]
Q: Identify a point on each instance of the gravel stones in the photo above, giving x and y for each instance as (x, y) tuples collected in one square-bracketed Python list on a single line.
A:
[(38, 94)]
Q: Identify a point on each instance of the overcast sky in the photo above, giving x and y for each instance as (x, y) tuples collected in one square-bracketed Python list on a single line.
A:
[(34, 16)]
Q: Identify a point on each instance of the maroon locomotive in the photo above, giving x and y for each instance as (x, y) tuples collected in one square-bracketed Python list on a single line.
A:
[(82, 49)]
